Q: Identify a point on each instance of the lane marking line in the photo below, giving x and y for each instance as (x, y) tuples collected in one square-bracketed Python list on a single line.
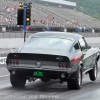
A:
[(4, 76)]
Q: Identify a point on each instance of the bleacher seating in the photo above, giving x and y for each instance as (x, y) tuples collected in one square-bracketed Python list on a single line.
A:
[(66, 17)]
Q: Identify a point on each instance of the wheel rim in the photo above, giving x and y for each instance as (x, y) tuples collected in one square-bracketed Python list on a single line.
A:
[(80, 78), (95, 71)]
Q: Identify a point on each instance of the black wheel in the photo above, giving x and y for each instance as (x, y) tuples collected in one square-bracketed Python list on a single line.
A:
[(93, 72), (17, 80), (77, 82)]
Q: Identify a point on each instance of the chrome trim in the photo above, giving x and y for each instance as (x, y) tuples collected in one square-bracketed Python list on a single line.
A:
[(16, 68), (38, 64)]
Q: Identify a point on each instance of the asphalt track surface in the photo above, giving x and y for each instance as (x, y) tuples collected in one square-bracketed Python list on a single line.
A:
[(52, 90)]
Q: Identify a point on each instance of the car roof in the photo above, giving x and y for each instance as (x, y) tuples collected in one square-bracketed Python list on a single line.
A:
[(58, 34)]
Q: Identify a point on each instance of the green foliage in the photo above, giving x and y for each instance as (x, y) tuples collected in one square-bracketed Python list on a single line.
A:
[(91, 7)]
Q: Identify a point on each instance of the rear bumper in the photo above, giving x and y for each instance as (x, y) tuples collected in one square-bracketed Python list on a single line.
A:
[(52, 74)]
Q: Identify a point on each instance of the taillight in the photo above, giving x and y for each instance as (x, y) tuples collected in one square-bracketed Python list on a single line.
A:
[(10, 62), (13, 62), (63, 65), (76, 58)]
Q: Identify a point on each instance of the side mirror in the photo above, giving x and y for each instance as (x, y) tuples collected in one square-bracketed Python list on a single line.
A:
[(83, 48)]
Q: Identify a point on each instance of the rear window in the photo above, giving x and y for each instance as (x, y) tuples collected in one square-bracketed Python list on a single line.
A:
[(44, 42)]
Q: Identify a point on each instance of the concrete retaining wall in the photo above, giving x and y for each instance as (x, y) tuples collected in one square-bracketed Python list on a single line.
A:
[(17, 42), (11, 42), (93, 40)]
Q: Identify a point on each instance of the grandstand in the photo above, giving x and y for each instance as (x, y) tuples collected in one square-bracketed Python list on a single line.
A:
[(10, 16), (64, 16)]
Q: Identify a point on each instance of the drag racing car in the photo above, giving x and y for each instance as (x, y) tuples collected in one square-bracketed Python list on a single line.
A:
[(53, 55)]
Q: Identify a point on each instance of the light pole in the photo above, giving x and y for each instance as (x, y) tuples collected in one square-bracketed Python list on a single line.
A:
[(24, 16), (24, 20)]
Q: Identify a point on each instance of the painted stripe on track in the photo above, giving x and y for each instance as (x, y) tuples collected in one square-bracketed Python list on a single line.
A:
[(4, 76)]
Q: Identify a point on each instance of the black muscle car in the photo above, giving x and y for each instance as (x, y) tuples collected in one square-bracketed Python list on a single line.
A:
[(53, 55)]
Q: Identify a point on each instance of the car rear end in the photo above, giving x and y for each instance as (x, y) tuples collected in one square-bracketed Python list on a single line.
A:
[(39, 65), (44, 57)]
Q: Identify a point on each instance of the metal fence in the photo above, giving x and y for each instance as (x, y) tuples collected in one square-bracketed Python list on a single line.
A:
[(21, 34), (90, 34), (14, 35)]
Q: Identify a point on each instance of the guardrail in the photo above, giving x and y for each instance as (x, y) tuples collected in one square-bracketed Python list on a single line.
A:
[(21, 34)]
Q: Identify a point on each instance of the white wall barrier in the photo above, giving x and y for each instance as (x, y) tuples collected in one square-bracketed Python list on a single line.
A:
[(17, 42), (3, 60), (11, 42), (93, 40)]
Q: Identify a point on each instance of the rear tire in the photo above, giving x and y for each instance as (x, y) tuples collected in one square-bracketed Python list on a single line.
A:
[(77, 82), (17, 80), (93, 72)]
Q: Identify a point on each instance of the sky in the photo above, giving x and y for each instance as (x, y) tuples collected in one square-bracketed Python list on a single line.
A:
[(62, 2)]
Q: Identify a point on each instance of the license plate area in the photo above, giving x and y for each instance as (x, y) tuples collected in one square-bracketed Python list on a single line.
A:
[(37, 73)]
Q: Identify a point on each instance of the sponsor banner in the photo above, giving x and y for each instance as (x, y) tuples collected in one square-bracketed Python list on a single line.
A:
[(3, 60)]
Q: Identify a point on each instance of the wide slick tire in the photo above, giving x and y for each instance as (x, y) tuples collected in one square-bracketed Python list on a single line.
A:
[(77, 82), (17, 80), (93, 72)]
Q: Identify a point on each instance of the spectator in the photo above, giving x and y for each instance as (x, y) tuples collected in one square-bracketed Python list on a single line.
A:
[(47, 28), (87, 29), (53, 23), (84, 29), (80, 29), (27, 28), (5, 20), (10, 19), (76, 23), (8, 10)]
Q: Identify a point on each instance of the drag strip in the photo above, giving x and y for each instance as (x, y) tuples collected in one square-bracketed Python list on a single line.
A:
[(52, 90)]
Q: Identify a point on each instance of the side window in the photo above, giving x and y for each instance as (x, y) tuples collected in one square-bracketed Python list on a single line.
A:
[(75, 47), (82, 44)]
